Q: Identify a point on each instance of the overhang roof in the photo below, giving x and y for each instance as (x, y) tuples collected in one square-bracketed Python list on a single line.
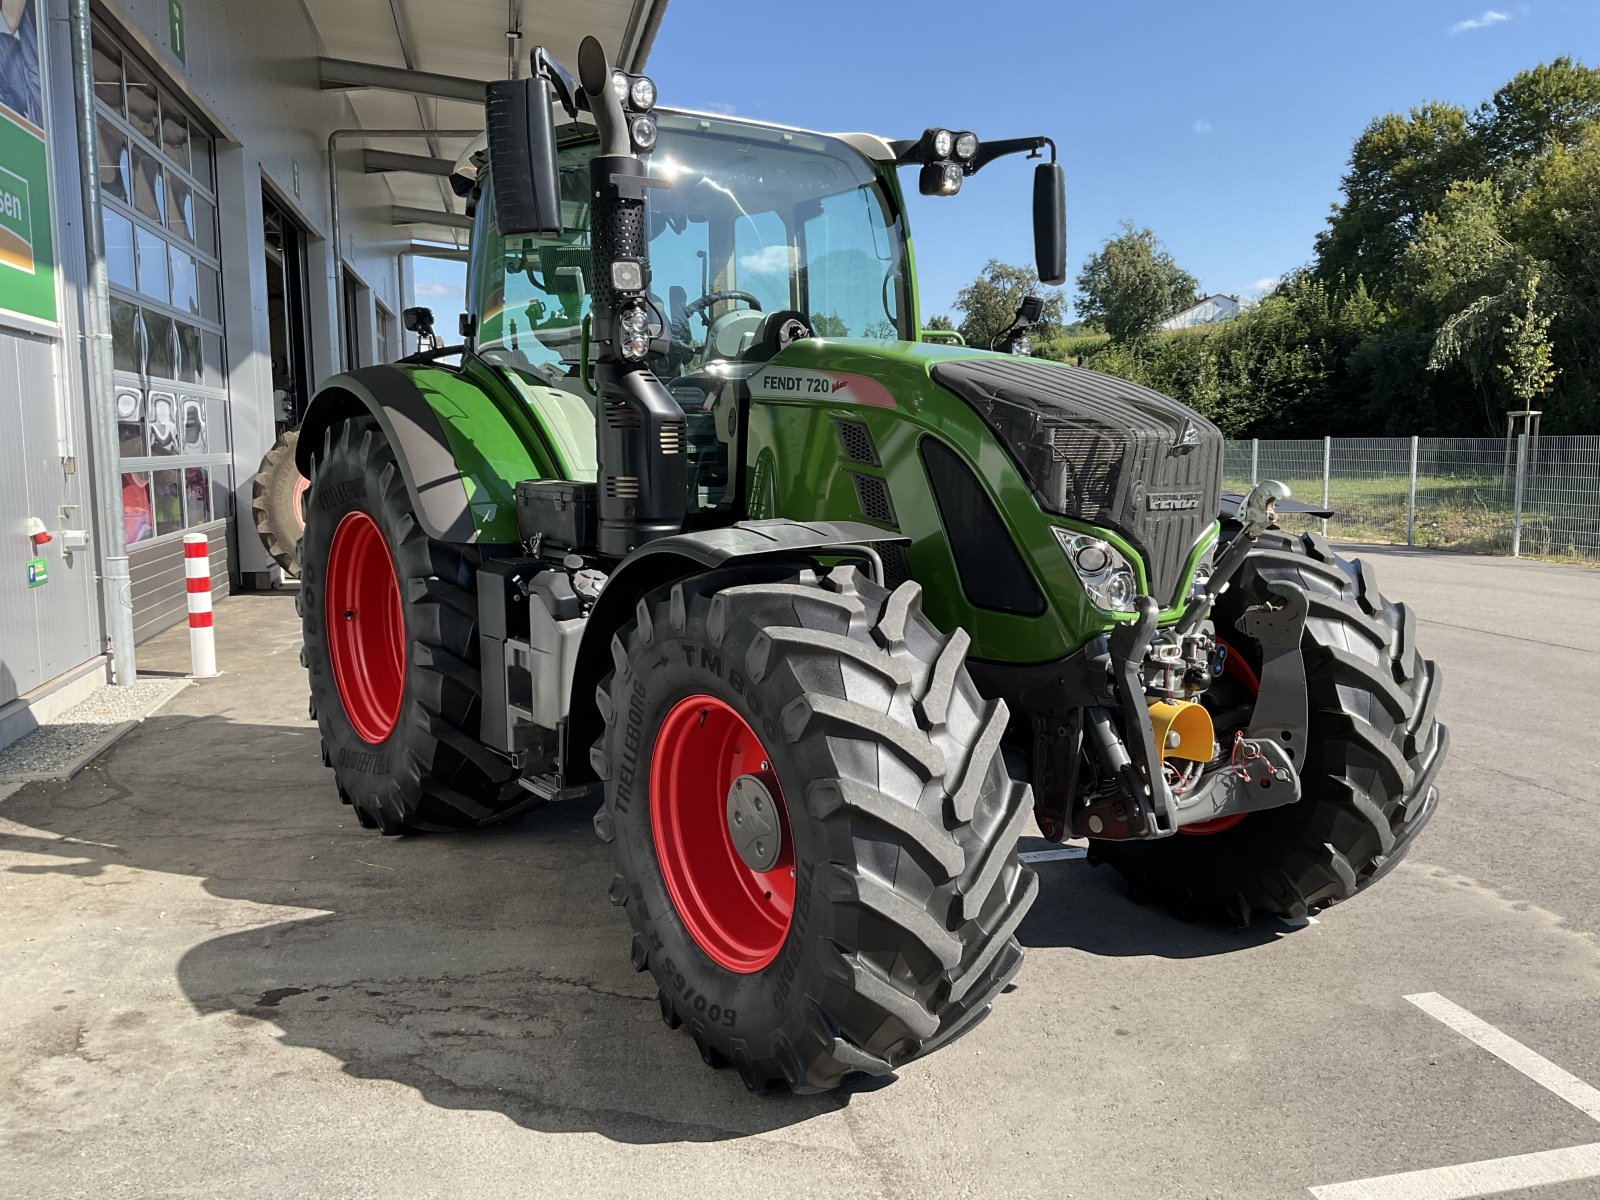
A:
[(466, 39)]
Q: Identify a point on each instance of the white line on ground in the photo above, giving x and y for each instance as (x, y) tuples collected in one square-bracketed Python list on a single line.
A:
[(1053, 855), (1512, 1052), (1496, 1174), (1473, 1179)]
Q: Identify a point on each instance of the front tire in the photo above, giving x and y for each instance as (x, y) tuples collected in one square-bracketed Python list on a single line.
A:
[(882, 923), (1375, 748), (389, 618)]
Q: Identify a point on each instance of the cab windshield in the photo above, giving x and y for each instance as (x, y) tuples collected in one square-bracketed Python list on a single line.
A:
[(756, 221)]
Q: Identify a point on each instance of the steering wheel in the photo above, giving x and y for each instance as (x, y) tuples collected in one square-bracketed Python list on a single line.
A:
[(696, 307)]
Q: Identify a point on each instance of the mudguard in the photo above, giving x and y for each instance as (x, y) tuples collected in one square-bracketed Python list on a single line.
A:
[(461, 453), (666, 560)]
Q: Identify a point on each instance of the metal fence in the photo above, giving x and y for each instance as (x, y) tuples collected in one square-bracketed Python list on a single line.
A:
[(1539, 498)]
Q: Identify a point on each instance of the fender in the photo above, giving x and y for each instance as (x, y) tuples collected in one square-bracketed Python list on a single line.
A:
[(461, 453), (667, 560)]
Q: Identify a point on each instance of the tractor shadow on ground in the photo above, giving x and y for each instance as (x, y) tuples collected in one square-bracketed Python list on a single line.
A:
[(484, 970), (1089, 908)]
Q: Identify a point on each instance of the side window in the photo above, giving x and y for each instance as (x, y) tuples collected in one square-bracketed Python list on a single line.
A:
[(854, 289), (532, 293), (763, 259)]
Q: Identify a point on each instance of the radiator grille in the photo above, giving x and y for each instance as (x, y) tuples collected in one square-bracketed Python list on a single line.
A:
[(872, 495), (855, 442)]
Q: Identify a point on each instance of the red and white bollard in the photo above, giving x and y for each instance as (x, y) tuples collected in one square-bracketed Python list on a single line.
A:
[(197, 579)]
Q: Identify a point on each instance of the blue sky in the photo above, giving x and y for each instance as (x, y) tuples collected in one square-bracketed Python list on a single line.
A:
[(1223, 127)]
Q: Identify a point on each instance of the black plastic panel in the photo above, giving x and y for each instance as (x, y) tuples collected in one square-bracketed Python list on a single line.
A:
[(1103, 450), (872, 496), (993, 573)]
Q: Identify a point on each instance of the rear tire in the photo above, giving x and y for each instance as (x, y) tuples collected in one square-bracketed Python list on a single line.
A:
[(1375, 748), (277, 494), (907, 889), (404, 747)]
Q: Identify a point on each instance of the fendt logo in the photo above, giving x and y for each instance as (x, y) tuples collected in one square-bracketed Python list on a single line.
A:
[(1171, 501)]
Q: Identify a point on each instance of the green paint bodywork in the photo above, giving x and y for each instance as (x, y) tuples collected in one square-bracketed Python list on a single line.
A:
[(799, 473), (503, 428)]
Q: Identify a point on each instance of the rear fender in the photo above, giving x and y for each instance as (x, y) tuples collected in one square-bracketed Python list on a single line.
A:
[(460, 453), (750, 544)]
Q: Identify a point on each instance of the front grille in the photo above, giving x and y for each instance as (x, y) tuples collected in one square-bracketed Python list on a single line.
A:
[(872, 496), (1102, 450)]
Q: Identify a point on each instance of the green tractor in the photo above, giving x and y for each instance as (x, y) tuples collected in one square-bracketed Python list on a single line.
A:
[(822, 610)]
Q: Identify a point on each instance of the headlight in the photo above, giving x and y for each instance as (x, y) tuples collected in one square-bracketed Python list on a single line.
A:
[(643, 132), (1105, 573), (952, 179), (967, 146), (943, 143), (619, 85), (635, 346), (635, 320), (643, 93)]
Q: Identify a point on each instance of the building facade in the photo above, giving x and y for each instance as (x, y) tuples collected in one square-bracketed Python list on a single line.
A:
[(214, 126)]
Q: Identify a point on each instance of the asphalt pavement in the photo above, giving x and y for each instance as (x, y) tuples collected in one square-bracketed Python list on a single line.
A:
[(214, 983)]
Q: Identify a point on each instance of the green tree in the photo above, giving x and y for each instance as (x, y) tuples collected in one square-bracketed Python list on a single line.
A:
[(1400, 169), (829, 325), (1528, 367), (1552, 103), (1132, 284), (939, 321), (988, 304)]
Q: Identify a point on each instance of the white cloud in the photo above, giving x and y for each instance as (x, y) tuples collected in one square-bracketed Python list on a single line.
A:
[(436, 289), (1262, 286), (1490, 17), (769, 260), (713, 106), (1202, 127)]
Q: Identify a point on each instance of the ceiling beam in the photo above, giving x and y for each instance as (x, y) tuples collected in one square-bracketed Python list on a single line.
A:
[(341, 73), (376, 161), (402, 214)]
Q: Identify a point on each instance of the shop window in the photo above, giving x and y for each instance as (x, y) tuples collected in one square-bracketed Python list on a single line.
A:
[(174, 134), (152, 252), (127, 347), (130, 423), (190, 369), (113, 154), (211, 359), (180, 207), (138, 513), (192, 425), (144, 110), (160, 353), (200, 159), (204, 225), (108, 75), (149, 186), (168, 488), (184, 293), (197, 483), (162, 415), (210, 298), (119, 248)]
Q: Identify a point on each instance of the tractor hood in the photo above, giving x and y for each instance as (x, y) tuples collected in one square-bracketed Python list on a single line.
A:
[(1091, 447), (1101, 450)]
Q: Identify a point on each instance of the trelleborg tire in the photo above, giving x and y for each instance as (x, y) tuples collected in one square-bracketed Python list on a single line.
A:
[(839, 705), (1367, 780), (277, 494), (389, 620)]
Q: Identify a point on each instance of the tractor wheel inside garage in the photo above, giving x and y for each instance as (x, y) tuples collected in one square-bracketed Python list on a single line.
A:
[(277, 499), (390, 626)]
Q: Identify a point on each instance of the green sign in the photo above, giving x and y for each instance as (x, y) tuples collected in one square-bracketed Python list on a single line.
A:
[(27, 253), (180, 44), (38, 572), (294, 170)]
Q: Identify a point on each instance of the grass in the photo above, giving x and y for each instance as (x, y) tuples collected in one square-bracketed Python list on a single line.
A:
[(1560, 513)]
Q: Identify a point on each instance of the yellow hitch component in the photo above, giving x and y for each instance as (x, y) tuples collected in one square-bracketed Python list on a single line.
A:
[(1183, 730)]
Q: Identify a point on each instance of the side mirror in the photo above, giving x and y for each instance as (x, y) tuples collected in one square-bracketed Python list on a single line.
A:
[(1030, 310), (1049, 222), (523, 169), (417, 320)]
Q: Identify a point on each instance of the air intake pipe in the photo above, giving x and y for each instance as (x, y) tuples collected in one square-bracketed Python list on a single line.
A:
[(640, 436)]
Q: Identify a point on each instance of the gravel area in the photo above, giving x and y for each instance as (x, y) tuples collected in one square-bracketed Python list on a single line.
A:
[(60, 748)]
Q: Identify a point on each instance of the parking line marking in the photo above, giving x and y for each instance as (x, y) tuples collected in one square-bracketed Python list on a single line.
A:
[(1473, 1179), (1512, 1052), (1053, 855), (1494, 1175)]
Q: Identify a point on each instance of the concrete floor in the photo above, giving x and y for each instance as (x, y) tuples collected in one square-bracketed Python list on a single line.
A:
[(212, 982)]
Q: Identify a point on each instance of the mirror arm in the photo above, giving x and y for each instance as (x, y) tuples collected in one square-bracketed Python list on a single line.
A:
[(545, 65), (989, 151)]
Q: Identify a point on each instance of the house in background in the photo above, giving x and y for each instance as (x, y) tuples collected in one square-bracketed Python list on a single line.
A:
[(1208, 311)]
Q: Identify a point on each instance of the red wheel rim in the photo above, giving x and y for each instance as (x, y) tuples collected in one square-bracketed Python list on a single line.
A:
[(1236, 668), (366, 629), (739, 916)]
